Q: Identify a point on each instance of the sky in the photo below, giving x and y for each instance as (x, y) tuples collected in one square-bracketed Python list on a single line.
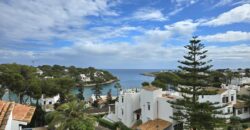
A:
[(123, 34)]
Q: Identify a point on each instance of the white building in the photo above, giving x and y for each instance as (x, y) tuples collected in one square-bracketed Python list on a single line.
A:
[(38, 71), (85, 78), (151, 106), (222, 97), (48, 102), (13, 116), (240, 81), (231, 86)]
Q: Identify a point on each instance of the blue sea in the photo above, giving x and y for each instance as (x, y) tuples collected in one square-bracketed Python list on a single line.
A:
[(128, 78)]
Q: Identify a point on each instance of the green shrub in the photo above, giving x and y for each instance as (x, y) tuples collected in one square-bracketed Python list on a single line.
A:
[(107, 124), (122, 126), (244, 126)]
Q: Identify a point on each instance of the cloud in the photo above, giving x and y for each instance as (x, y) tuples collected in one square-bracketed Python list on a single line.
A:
[(229, 36), (180, 5), (230, 3), (185, 27), (223, 3), (45, 20), (236, 15), (150, 14), (236, 52)]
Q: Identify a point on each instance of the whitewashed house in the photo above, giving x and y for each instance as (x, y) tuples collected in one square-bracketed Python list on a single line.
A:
[(48, 102), (241, 109), (231, 86), (226, 98), (85, 78), (38, 71), (13, 115), (151, 106), (240, 81)]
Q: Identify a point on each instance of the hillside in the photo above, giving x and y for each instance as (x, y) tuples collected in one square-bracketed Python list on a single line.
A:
[(89, 76)]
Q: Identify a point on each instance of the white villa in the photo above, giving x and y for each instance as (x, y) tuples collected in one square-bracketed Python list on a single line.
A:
[(85, 78), (48, 102), (150, 106)]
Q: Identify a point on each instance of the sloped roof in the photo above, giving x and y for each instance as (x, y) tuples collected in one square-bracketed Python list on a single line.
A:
[(240, 104), (5, 111), (157, 124), (150, 88), (23, 112), (217, 90), (20, 112)]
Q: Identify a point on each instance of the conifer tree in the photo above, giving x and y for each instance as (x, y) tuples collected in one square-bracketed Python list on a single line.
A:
[(193, 81)]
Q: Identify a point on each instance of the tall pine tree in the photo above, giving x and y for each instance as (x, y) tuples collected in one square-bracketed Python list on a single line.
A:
[(194, 68)]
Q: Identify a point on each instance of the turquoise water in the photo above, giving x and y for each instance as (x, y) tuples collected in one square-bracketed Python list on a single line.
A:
[(129, 78)]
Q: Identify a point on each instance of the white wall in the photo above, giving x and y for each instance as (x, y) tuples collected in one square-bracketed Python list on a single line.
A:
[(47, 100), (218, 99), (244, 115), (15, 125), (128, 106), (151, 98), (9, 122)]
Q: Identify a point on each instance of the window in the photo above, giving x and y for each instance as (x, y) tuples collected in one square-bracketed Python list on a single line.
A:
[(122, 111), (239, 111), (122, 99), (225, 100), (228, 110), (232, 97), (202, 96), (148, 105), (245, 109), (44, 102), (50, 102)]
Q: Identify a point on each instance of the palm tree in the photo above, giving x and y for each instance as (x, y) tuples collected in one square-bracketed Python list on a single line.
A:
[(71, 116), (118, 87)]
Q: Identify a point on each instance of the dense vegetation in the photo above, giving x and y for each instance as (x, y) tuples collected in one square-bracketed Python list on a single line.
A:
[(215, 78), (29, 83)]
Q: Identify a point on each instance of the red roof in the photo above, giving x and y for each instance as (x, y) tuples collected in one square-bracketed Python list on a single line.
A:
[(20, 112)]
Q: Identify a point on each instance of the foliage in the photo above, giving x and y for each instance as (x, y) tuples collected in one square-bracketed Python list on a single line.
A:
[(80, 95), (216, 78), (145, 84), (38, 118), (20, 79), (109, 97), (107, 124), (193, 80), (162, 80), (71, 116), (118, 88), (97, 91)]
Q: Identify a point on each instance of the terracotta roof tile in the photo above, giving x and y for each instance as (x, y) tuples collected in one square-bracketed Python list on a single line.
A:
[(150, 88), (217, 90), (23, 112), (20, 112), (157, 124), (240, 104)]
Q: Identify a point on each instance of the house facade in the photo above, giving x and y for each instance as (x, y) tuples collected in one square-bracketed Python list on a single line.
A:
[(48, 102), (151, 106)]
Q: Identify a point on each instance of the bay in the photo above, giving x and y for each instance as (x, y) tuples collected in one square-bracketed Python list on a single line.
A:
[(128, 78)]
